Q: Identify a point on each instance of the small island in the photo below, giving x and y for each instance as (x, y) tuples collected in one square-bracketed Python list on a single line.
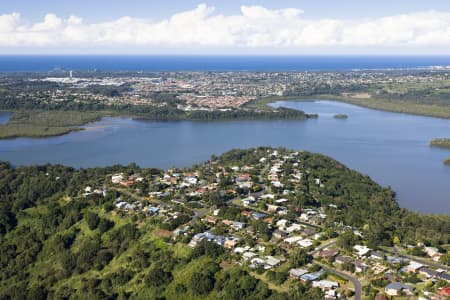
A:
[(341, 116), (440, 143), (447, 161)]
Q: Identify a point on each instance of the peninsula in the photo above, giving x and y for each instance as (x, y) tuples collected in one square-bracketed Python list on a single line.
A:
[(259, 223)]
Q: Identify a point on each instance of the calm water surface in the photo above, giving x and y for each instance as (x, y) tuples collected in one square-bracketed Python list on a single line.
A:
[(393, 149)]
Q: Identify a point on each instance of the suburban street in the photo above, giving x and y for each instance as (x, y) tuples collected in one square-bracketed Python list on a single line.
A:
[(353, 280)]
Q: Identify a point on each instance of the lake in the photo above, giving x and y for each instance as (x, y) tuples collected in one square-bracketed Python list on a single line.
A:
[(393, 149)]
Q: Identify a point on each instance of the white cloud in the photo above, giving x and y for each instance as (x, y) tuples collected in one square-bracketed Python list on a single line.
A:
[(8, 23), (255, 27), (51, 22)]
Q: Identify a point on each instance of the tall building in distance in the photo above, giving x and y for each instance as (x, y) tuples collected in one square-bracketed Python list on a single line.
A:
[(70, 74)]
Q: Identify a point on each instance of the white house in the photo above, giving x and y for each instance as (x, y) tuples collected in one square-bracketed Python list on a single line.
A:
[(361, 250), (325, 284)]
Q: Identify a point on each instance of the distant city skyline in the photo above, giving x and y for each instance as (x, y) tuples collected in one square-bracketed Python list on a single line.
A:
[(225, 27)]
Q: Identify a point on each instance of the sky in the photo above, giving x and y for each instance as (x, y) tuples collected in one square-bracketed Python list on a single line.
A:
[(225, 27)]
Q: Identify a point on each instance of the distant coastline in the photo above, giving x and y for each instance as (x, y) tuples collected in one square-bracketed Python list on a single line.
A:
[(219, 63)]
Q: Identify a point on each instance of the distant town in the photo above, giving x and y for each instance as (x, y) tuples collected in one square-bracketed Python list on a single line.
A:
[(219, 90)]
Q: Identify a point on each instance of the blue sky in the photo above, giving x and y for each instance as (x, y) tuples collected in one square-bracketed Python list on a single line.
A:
[(268, 27), (100, 10)]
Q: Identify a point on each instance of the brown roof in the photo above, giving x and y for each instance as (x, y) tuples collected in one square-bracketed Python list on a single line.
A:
[(329, 253)]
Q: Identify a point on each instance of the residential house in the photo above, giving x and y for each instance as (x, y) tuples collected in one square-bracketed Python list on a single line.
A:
[(281, 201), (310, 276), (279, 234), (258, 215), (117, 178), (445, 291), (272, 262), (362, 250), (376, 255), (234, 224), (294, 227), (248, 201), (413, 267), (305, 243), (272, 208), (433, 253), (360, 267), (248, 255), (444, 276), (281, 223), (292, 240), (428, 273), (211, 219), (331, 295), (297, 273), (231, 243), (398, 288), (327, 253), (325, 284), (343, 260)]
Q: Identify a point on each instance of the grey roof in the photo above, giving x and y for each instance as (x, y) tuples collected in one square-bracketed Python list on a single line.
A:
[(398, 286), (444, 276), (430, 272)]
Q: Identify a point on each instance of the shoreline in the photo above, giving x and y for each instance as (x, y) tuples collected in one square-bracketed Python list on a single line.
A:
[(36, 126), (378, 104), (262, 103)]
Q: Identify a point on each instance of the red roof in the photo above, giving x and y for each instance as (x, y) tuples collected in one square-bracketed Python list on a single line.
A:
[(247, 213), (444, 291), (268, 220)]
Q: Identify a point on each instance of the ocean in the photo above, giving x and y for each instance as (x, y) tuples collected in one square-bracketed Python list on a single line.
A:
[(43, 63)]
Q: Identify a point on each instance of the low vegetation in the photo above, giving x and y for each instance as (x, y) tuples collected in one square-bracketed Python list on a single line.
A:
[(45, 123), (441, 143)]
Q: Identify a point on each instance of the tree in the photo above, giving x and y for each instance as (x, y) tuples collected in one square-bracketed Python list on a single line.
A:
[(201, 283), (156, 276), (299, 257), (445, 259), (37, 293), (92, 220), (347, 240), (105, 225)]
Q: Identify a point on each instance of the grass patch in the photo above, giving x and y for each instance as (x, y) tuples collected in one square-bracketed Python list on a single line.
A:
[(46, 123), (337, 278)]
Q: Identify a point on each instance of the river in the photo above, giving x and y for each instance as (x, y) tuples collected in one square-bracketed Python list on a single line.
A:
[(392, 148)]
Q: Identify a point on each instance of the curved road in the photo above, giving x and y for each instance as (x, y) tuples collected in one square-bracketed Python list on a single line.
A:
[(353, 280)]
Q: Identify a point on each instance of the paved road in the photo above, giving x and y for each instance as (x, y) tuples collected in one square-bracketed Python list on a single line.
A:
[(317, 250), (353, 280)]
